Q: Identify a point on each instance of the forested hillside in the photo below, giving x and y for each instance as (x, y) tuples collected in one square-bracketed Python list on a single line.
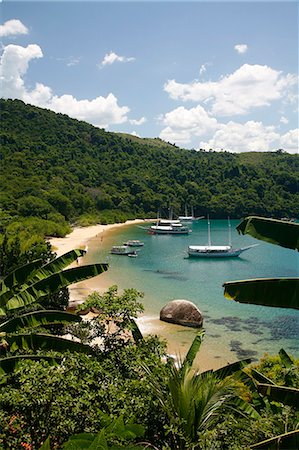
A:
[(60, 169)]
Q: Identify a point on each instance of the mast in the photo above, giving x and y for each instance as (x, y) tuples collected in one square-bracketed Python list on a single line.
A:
[(229, 233), (209, 232)]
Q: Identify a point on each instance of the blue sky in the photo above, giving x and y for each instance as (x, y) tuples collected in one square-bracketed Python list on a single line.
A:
[(221, 75)]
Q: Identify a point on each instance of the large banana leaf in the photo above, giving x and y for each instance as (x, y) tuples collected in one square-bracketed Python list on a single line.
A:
[(279, 232), (243, 407), (58, 264), (42, 341), (30, 273), (288, 396), (287, 441), (36, 319), (230, 369), (279, 292), (8, 365), (19, 276), (258, 376), (50, 285)]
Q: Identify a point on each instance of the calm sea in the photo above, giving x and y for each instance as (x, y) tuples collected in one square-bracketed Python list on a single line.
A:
[(163, 272)]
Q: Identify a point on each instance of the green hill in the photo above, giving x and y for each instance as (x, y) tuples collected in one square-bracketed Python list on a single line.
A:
[(60, 169)]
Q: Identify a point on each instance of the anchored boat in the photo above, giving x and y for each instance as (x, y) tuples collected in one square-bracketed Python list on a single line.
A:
[(123, 250), (164, 226), (216, 251)]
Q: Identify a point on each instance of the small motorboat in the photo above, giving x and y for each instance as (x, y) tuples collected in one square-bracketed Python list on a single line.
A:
[(134, 243)]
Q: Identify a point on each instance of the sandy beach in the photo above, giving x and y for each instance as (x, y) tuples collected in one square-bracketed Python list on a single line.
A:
[(78, 239)]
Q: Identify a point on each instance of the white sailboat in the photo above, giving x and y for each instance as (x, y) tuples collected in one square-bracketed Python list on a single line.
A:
[(169, 226), (189, 218), (216, 251)]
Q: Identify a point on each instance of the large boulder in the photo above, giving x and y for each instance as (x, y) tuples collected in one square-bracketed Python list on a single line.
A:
[(182, 312)]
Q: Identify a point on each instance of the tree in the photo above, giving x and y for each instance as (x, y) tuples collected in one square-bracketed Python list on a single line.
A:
[(193, 402)]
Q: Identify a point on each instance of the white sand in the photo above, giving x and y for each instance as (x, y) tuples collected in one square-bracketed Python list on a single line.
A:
[(80, 236)]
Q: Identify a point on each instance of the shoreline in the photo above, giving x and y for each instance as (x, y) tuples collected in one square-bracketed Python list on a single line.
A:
[(79, 238)]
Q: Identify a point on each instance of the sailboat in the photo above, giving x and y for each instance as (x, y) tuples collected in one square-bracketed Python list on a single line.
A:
[(187, 218), (216, 251), (169, 226)]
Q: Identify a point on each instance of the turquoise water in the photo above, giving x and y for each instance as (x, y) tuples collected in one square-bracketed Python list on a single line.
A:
[(163, 272)]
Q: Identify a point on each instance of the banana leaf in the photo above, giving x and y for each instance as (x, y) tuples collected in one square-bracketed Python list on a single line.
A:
[(19, 276), (260, 377), (230, 369), (286, 395), (38, 318), (278, 292), (43, 341), (8, 365), (136, 333), (287, 441), (285, 358), (50, 285), (241, 406), (279, 232), (58, 264)]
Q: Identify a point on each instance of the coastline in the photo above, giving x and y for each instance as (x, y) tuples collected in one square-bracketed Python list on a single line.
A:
[(79, 238)]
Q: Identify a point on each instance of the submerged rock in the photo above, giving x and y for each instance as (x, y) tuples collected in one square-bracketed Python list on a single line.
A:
[(182, 312)]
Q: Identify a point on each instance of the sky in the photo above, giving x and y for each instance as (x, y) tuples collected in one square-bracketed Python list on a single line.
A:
[(202, 74)]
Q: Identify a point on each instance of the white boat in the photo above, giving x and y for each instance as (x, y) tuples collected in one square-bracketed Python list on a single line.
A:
[(134, 243), (122, 250), (216, 251), (164, 226), (189, 218)]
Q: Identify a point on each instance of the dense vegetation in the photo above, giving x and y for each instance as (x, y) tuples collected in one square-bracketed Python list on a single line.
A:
[(59, 169)]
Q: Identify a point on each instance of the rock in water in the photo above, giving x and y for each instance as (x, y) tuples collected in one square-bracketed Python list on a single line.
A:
[(182, 312)]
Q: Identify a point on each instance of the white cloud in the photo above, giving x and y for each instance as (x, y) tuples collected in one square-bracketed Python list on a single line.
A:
[(135, 134), (112, 57), (290, 141), (237, 137), (101, 111), (241, 48), (284, 120), (249, 87), (138, 122), (182, 124), (13, 65), (12, 28)]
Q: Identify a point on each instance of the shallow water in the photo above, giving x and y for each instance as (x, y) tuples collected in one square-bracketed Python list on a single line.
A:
[(163, 272)]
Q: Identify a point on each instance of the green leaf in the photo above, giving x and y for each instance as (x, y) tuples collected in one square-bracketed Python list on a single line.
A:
[(286, 395), (260, 377), (19, 276), (46, 445), (241, 405), (287, 441), (58, 264), (38, 318), (192, 352), (230, 369), (50, 285), (285, 358), (279, 232), (136, 333), (43, 341), (279, 292)]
